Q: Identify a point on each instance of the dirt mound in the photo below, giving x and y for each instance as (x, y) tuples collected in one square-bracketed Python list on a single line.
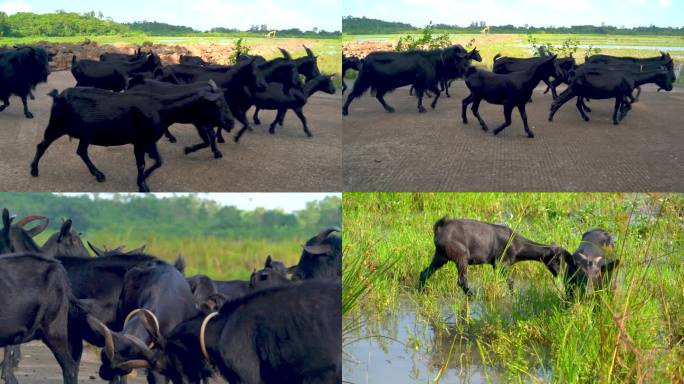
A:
[(363, 48)]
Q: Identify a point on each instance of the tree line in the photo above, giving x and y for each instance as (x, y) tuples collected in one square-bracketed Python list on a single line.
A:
[(177, 216), (367, 26), (64, 24)]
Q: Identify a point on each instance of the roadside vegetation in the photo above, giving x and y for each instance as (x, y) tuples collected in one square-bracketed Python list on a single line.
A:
[(532, 333)]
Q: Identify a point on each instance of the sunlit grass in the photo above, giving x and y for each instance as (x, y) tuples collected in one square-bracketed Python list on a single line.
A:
[(632, 334)]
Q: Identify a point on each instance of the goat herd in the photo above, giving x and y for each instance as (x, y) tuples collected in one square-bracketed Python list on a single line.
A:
[(133, 99), (145, 313), (512, 81)]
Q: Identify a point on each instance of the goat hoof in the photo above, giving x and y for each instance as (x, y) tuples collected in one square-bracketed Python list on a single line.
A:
[(187, 150), (344, 112), (616, 122), (308, 134), (34, 171), (530, 135), (28, 115), (496, 132), (421, 109), (218, 155), (100, 178), (172, 139), (236, 139), (220, 139), (2, 107), (257, 122), (585, 118)]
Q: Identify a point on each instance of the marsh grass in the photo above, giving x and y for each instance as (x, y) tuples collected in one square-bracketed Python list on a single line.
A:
[(635, 333)]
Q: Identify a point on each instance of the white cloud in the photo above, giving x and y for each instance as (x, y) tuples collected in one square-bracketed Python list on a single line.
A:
[(665, 3), (12, 7)]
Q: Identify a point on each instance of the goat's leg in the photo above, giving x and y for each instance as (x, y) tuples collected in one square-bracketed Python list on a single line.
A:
[(618, 102), (359, 88), (624, 108), (508, 110), (411, 90), (562, 99), (584, 104), (300, 114), (240, 116), (464, 107), (380, 95), (281, 112), (219, 135), (31, 96), (255, 118), (208, 139), (462, 265), (281, 119), (438, 261), (11, 361), (56, 341), (476, 112), (580, 108), (344, 85), (27, 113), (50, 136), (82, 151), (154, 154), (637, 95), (139, 152), (169, 135), (419, 94), (437, 94), (523, 115)]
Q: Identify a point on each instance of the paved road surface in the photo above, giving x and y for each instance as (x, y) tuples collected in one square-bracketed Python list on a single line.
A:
[(435, 151), (287, 161)]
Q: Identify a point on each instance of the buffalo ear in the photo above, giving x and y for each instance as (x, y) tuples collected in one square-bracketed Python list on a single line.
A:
[(152, 328)]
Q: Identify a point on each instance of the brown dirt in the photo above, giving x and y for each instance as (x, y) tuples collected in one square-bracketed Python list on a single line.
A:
[(286, 161), (435, 151), (38, 366)]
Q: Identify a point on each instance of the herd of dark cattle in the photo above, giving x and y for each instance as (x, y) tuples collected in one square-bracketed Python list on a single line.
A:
[(145, 313), (511, 82), (133, 99), (471, 242)]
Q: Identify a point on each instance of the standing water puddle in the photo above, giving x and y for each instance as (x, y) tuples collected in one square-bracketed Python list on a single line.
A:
[(401, 346)]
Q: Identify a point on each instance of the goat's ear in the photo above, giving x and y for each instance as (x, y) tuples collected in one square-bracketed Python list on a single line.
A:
[(180, 264), (6, 220), (66, 228), (269, 262)]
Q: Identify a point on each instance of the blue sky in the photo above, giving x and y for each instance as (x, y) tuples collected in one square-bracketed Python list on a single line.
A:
[(288, 202), (201, 14), (629, 13)]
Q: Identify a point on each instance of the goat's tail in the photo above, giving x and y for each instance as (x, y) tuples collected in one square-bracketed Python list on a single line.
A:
[(496, 56), (439, 224), (73, 60)]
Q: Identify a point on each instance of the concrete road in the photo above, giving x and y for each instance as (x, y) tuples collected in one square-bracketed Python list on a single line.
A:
[(286, 161), (435, 151)]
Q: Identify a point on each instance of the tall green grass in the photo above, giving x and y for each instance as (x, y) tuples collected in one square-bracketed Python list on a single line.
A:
[(634, 333)]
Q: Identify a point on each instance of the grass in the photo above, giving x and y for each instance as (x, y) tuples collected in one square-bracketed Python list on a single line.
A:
[(634, 333), (218, 258), (328, 50), (515, 45)]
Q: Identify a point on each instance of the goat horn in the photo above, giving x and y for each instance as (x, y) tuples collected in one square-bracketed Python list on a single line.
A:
[(66, 228), (286, 54), (133, 364), (106, 333), (29, 219), (324, 233), (213, 86), (318, 249), (308, 51), (95, 249)]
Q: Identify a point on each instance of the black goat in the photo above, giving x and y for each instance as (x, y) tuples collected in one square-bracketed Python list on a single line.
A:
[(288, 334), (66, 242), (503, 65), (453, 73), (20, 71), (510, 90), (192, 60), (105, 118), (306, 66), (201, 123), (607, 82), (349, 63), (275, 97), (121, 56), (112, 75), (471, 242), (383, 72), (591, 261)]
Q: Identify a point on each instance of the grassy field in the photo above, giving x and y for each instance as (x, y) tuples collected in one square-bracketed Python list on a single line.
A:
[(328, 50), (517, 45), (532, 333), (218, 258)]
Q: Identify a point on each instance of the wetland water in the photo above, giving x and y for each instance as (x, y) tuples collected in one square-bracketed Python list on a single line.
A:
[(401, 346)]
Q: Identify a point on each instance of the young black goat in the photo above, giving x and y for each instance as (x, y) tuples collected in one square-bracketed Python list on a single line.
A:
[(105, 118), (20, 71), (470, 242), (112, 75), (503, 65), (275, 97), (349, 63), (510, 90), (592, 260)]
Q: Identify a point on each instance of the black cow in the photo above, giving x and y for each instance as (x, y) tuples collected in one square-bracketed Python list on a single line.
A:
[(383, 72), (20, 71), (321, 257), (105, 118), (39, 313), (288, 334), (471, 242), (155, 286)]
